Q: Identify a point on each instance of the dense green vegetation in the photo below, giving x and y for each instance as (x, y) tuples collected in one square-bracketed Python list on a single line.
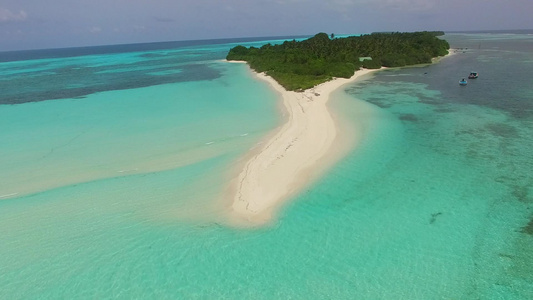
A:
[(301, 65)]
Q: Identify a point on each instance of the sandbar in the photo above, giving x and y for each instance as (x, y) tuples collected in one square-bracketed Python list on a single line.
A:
[(293, 155)]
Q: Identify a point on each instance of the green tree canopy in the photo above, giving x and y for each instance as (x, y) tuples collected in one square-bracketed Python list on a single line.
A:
[(302, 65)]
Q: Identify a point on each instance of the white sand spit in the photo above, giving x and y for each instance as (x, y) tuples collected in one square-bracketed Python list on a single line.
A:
[(293, 155)]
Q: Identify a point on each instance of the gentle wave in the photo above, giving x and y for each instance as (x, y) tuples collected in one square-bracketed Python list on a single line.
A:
[(8, 195)]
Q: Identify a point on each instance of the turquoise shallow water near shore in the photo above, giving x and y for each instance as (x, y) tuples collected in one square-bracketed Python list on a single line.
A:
[(115, 186)]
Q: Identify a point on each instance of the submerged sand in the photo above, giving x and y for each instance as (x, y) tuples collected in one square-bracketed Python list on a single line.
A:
[(296, 153)]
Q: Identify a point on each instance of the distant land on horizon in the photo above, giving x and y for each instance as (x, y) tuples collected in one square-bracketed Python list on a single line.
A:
[(515, 31), (14, 55), (42, 53)]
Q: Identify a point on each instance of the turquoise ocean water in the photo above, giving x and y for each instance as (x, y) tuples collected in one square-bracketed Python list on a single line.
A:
[(113, 161)]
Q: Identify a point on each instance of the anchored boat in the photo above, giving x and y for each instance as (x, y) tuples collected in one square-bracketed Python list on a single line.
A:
[(473, 75)]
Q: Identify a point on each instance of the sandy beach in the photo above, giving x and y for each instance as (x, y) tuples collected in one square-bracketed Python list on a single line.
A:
[(303, 147)]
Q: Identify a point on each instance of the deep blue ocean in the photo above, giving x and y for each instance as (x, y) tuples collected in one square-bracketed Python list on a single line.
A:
[(113, 161)]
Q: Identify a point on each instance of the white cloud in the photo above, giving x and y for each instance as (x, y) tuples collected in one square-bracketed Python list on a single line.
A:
[(8, 16), (164, 20), (95, 29), (409, 5), (290, 1), (403, 5)]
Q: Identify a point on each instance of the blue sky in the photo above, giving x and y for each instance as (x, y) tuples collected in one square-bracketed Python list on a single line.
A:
[(30, 24)]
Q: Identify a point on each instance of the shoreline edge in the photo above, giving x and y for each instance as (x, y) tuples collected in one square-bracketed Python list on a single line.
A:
[(298, 151)]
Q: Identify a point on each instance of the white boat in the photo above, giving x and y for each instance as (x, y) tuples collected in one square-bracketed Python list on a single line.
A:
[(473, 75)]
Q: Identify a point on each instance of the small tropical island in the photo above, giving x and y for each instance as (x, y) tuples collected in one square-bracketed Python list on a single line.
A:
[(301, 65), (311, 139)]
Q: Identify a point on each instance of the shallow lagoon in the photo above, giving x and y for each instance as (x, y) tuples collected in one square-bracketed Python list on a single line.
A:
[(115, 190)]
